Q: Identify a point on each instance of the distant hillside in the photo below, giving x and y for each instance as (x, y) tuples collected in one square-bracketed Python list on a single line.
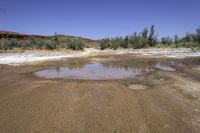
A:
[(61, 37)]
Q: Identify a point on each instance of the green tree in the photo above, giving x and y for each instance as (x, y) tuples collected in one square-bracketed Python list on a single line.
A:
[(152, 37), (189, 37), (126, 42), (56, 40), (198, 35), (166, 40), (176, 39), (145, 33)]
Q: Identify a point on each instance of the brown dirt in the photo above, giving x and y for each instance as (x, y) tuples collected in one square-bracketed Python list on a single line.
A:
[(168, 104), (137, 87)]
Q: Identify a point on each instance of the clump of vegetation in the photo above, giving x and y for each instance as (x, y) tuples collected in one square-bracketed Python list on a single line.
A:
[(40, 43), (148, 38), (198, 36), (166, 40), (138, 41), (152, 40), (141, 40), (105, 43), (75, 44), (144, 39)]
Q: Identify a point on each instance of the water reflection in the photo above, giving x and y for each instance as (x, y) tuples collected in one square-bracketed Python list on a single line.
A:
[(95, 70), (137, 67), (106, 70), (76, 65), (168, 65)]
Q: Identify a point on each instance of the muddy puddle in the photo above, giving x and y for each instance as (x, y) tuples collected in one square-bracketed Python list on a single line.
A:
[(94, 70), (107, 70)]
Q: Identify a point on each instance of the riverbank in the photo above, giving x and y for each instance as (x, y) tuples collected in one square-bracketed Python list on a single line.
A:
[(35, 56)]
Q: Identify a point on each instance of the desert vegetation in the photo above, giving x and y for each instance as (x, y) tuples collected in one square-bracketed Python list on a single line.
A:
[(41, 43), (75, 44), (149, 38), (144, 39)]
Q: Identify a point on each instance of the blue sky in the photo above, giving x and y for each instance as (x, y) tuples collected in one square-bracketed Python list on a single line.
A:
[(99, 18)]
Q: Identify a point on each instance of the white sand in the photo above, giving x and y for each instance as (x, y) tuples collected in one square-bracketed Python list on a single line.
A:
[(17, 58)]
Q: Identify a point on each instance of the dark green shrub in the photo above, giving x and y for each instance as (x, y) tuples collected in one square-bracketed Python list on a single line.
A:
[(49, 45), (4, 44), (76, 44), (137, 41), (198, 36), (125, 42), (176, 39), (115, 45), (166, 40), (105, 43)]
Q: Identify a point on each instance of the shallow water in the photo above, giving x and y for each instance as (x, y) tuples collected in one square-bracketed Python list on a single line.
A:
[(107, 70), (95, 70), (168, 66)]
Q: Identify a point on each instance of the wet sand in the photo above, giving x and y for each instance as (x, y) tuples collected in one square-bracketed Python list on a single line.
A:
[(160, 101)]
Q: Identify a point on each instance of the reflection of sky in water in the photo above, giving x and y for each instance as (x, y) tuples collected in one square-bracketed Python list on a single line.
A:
[(168, 66), (100, 71), (94, 70), (165, 67)]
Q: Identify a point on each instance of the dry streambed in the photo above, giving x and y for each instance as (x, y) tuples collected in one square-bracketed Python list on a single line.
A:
[(160, 95)]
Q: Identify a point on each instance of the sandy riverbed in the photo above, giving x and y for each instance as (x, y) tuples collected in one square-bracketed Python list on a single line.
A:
[(157, 102)]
